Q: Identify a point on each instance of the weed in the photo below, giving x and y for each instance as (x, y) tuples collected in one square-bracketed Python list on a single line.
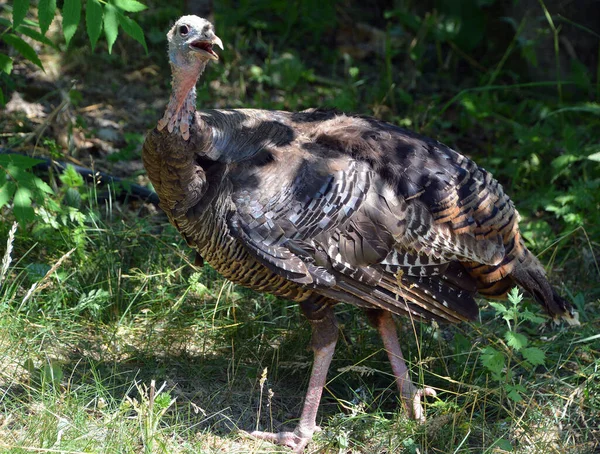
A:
[(499, 362), (150, 409)]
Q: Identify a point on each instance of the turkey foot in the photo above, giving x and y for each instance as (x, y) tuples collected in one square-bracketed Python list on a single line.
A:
[(411, 395), (324, 338), (297, 440), (414, 404)]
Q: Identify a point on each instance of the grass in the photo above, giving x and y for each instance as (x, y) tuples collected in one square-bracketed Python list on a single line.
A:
[(112, 342), (80, 358)]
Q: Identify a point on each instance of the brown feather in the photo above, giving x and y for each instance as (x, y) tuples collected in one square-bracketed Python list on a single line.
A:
[(348, 207)]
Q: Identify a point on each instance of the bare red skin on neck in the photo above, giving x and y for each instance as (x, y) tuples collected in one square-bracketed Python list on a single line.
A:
[(182, 103)]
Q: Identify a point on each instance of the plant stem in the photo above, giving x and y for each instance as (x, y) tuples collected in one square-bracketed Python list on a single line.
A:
[(555, 33)]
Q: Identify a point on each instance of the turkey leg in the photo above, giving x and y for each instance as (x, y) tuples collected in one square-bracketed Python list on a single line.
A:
[(411, 395), (324, 338)]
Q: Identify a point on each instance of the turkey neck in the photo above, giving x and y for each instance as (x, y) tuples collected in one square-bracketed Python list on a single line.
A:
[(182, 103), (184, 84)]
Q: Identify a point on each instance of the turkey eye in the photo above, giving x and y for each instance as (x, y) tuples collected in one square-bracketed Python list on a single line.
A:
[(184, 30)]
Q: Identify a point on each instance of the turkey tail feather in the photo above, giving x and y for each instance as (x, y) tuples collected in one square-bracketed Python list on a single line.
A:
[(532, 278)]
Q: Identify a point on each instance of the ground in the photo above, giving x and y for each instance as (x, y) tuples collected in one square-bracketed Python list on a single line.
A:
[(111, 340)]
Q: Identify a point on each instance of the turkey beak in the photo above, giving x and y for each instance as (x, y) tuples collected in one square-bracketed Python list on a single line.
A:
[(216, 40), (205, 46)]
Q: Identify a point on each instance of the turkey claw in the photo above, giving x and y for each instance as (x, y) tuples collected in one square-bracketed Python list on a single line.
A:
[(295, 440), (416, 410)]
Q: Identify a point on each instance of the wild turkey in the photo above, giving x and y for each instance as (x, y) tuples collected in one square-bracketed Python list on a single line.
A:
[(321, 207)]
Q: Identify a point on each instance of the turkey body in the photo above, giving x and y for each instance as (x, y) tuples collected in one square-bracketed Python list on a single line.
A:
[(320, 207), (326, 207)]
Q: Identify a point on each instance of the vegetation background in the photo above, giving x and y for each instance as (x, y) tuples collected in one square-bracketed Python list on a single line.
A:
[(112, 342)]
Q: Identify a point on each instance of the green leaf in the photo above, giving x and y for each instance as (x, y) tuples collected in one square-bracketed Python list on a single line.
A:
[(564, 160), (492, 359), (52, 374), (42, 187), (71, 178), (23, 48), (6, 64), (46, 11), (514, 395), (34, 34), (2, 100), (37, 271), (515, 340), (71, 13), (22, 205), (515, 391), (594, 157), (528, 315), (7, 191), (131, 6), (534, 355), (111, 25), (500, 308), (514, 296), (504, 444), (25, 179), (132, 29), (18, 161), (93, 20), (72, 198), (20, 8)]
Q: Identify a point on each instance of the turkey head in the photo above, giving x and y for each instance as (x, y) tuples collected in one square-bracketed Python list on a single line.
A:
[(191, 42)]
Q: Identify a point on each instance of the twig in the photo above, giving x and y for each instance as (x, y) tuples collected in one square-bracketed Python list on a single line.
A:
[(37, 287), (37, 132), (90, 175)]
